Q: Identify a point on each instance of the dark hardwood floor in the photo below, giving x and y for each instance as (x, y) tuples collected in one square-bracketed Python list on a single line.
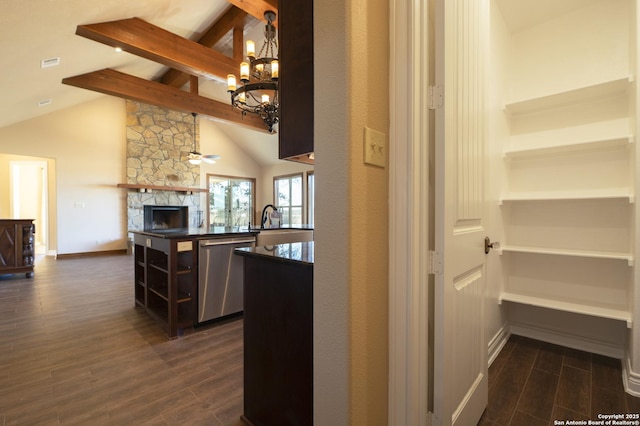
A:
[(74, 350), (534, 383)]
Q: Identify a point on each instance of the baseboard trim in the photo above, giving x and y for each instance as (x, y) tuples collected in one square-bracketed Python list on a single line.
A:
[(630, 379), (91, 254), (497, 342), (569, 340)]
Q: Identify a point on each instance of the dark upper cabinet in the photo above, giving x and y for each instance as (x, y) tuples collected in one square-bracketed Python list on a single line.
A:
[(295, 52)]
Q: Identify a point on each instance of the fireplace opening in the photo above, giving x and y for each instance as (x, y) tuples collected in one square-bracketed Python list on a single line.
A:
[(166, 218)]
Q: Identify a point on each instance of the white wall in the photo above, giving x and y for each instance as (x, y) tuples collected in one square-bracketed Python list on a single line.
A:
[(500, 49), (88, 144)]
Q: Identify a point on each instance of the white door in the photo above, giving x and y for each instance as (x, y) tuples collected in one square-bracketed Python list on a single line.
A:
[(460, 348)]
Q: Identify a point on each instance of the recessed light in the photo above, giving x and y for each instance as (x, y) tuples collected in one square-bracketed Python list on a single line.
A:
[(51, 62), (44, 102), (118, 49)]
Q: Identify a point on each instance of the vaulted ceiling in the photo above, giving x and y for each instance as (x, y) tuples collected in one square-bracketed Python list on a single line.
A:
[(166, 43)]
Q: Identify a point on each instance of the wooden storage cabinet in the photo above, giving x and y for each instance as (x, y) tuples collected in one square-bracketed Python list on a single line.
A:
[(567, 199), (278, 341), (295, 52), (16, 246), (166, 281)]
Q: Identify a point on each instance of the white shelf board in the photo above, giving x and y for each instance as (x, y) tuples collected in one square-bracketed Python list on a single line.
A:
[(569, 252), (594, 91), (618, 194), (577, 308), (580, 146)]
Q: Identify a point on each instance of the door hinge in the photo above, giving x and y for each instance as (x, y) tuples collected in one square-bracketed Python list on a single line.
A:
[(432, 420), (435, 262), (435, 95)]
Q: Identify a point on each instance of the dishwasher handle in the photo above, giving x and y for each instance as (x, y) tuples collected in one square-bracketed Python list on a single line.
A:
[(211, 243)]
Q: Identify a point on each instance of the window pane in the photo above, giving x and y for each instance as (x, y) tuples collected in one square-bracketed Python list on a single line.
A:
[(218, 190), (283, 192), (230, 201), (296, 191), (296, 216), (289, 199), (311, 194)]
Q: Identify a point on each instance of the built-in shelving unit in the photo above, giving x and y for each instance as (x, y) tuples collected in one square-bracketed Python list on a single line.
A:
[(166, 281), (570, 146), (618, 86), (567, 201), (577, 308), (570, 252)]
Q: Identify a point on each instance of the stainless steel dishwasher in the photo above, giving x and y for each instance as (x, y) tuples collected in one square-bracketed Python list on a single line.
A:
[(220, 277)]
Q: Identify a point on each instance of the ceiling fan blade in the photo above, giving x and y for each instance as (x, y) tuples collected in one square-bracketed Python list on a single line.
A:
[(211, 158)]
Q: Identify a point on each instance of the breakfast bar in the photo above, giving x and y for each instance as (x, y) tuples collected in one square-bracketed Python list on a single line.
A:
[(278, 333)]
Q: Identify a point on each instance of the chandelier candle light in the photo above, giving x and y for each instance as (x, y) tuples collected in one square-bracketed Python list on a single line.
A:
[(259, 77)]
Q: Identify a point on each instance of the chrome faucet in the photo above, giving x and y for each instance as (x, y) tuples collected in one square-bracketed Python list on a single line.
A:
[(264, 212)]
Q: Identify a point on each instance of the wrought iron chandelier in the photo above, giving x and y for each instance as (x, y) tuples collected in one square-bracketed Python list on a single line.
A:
[(258, 93)]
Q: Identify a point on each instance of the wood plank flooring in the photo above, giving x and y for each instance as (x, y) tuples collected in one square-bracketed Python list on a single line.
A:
[(74, 350), (535, 383)]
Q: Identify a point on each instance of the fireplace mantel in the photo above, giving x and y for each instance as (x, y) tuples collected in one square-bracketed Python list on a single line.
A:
[(141, 187)]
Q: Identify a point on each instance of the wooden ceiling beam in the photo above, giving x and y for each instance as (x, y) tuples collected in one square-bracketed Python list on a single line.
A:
[(231, 19), (126, 86), (151, 42), (256, 8)]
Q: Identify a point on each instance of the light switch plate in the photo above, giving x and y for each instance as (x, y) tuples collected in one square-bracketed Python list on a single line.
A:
[(375, 147)]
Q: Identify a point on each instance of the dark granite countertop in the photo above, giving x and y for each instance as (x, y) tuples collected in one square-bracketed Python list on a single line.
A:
[(289, 252), (301, 227), (214, 231)]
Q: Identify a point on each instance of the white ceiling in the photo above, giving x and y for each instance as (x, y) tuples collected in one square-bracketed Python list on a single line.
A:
[(34, 30)]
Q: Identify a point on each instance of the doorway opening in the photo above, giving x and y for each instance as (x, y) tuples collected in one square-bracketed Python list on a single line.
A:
[(29, 198)]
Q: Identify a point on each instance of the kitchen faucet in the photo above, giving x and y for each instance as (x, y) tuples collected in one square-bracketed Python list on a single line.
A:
[(264, 211)]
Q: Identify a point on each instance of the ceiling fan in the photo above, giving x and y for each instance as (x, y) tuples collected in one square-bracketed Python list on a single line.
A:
[(196, 157)]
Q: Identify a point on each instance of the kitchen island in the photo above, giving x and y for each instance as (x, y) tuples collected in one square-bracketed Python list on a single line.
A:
[(278, 334), (167, 272)]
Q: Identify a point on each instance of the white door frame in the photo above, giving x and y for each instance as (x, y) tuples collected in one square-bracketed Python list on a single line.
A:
[(409, 213)]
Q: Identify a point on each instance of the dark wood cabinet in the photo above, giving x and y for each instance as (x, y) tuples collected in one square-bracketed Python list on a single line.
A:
[(166, 280), (295, 53), (278, 342), (16, 246)]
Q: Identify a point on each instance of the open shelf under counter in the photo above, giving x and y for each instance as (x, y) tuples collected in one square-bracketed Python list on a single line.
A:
[(577, 308), (603, 89), (622, 194), (628, 257), (577, 146)]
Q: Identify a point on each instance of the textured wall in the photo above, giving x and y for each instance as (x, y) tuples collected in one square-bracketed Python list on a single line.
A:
[(158, 142)]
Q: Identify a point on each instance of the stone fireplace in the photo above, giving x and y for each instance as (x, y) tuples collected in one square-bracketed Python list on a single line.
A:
[(158, 141)]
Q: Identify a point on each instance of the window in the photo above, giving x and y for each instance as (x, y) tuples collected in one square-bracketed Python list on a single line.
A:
[(231, 200), (288, 198), (311, 192)]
